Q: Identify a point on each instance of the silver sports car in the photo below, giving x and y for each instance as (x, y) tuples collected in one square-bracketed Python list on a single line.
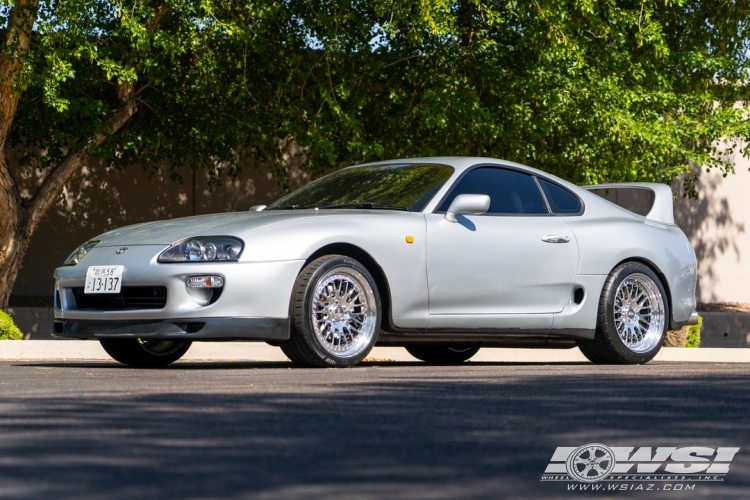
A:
[(439, 255)]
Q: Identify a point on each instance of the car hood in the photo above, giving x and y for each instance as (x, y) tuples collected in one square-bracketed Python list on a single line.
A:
[(170, 231), (226, 224)]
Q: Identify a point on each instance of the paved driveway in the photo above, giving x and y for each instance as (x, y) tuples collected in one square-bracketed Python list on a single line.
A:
[(393, 430)]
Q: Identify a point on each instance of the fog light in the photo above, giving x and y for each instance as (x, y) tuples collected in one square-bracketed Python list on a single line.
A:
[(205, 282)]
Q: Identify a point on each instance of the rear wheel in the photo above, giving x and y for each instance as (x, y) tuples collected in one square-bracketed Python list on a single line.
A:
[(335, 312), (633, 317), (145, 353), (442, 354)]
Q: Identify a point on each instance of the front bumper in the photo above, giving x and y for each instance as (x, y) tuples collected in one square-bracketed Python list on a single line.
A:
[(175, 329), (251, 289)]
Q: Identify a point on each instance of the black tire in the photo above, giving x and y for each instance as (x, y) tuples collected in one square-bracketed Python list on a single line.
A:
[(287, 350), (304, 346), (608, 347), (442, 354), (145, 353)]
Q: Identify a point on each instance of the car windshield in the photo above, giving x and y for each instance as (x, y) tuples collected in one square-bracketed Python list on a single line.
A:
[(397, 187)]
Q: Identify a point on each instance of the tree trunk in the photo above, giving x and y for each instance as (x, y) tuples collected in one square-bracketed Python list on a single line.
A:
[(11, 249), (17, 243), (20, 218)]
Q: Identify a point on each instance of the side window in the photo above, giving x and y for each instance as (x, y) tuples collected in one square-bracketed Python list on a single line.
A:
[(510, 192), (561, 201)]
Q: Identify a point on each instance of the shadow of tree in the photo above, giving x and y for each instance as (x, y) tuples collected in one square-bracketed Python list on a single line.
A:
[(710, 226), (95, 431)]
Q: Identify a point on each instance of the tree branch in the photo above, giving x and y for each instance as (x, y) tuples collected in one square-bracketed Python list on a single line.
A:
[(45, 196), (17, 42), (161, 11)]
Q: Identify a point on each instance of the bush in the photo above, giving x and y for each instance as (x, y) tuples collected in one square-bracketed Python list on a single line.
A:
[(687, 336), (694, 334), (8, 329)]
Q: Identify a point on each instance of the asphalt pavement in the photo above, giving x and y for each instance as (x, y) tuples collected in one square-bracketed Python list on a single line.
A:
[(267, 430)]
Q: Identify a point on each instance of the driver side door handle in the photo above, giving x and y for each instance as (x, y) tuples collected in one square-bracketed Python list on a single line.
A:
[(556, 238)]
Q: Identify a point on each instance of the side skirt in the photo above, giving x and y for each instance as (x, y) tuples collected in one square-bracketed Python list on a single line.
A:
[(547, 339)]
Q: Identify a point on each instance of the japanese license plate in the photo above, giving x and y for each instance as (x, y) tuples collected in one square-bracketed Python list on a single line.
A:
[(103, 279)]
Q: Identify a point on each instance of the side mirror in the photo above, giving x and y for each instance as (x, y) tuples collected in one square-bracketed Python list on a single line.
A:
[(467, 204), (258, 208)]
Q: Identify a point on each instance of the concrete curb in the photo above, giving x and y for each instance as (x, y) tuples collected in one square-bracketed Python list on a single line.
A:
[(77, 350), (721, 329)]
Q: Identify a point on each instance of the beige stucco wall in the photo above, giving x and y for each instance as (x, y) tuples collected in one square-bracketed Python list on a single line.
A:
[(99, 199), (716, 226)]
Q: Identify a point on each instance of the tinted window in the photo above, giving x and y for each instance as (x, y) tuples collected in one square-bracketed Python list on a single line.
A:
[(405, 187), (561, 201), (510, 192)]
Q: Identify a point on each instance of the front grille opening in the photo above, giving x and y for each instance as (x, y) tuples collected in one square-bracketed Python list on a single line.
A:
[(130, 297)]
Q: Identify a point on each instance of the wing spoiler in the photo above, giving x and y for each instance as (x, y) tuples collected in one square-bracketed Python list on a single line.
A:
[(662, 209)]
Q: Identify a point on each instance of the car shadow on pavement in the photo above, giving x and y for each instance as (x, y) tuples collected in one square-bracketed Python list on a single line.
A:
[(240, 365)]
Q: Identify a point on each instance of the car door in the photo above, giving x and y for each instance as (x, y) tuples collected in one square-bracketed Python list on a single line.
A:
[(518, 258)]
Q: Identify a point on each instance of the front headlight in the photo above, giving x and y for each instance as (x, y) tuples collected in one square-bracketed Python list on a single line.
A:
[(204, 249), (80, 252)]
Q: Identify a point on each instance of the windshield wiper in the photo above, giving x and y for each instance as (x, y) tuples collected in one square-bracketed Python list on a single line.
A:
[(285, 207), (367, 205)]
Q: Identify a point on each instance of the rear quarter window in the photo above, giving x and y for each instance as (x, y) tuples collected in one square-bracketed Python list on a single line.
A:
[(561, 201)]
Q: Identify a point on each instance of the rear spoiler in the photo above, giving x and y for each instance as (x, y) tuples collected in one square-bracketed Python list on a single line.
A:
[(662, 208)]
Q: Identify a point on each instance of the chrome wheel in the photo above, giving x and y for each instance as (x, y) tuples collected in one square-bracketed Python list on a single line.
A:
[(161, 347), (344, 312), (639, 313)]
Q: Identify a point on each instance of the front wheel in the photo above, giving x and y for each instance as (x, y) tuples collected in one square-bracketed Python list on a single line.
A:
[(442, 354), (145, 353), (633, 317), (335, 311)]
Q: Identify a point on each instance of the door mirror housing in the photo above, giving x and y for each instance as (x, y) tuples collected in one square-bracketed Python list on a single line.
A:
[(258, 208), (467, 204)]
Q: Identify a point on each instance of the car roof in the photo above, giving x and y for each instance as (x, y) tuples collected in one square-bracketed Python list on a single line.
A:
[(462, 163)]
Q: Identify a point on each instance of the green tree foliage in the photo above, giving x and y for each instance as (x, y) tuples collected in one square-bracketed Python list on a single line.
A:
[(589, 90)]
